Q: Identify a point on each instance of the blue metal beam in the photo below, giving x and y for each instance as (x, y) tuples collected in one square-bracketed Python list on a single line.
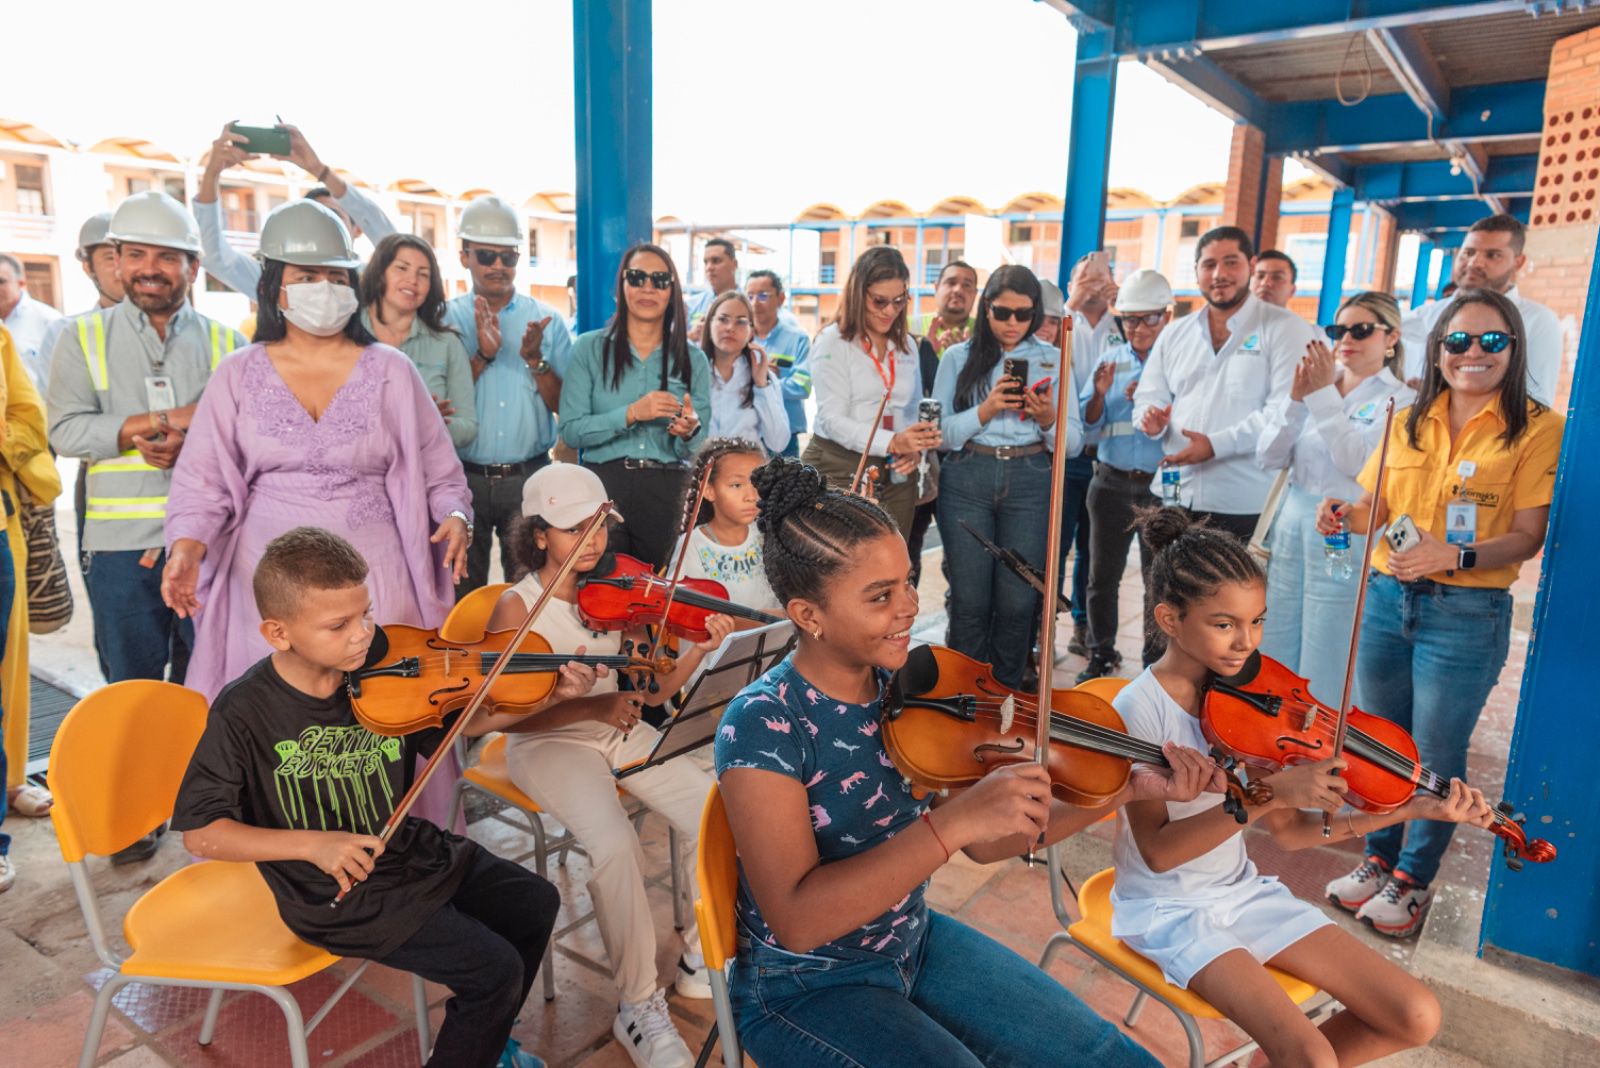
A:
[(1546, 911), (1202, 79), (611, 100), (1145, 28), (1333, 257), (1448, 214), (1424, 273), (1094, 96), (1477, 113), (1432, 180), (1446, 273)]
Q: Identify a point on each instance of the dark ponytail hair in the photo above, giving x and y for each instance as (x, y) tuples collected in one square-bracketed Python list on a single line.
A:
[(709, 455), (809, 531), (972, 385), (1191, 560)]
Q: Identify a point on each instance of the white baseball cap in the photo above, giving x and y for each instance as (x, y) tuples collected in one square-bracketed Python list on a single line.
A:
[(564, 495)]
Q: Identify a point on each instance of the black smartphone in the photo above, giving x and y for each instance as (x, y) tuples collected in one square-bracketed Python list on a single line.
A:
[(929, 411), (265, 140), (1016, 368)]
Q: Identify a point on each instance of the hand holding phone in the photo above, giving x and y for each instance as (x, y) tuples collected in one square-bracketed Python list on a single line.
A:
[(1403, 534), (1016, 369), (265, 140)]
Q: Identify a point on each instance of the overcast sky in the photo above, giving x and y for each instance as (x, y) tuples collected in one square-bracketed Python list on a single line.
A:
[(761, 107)]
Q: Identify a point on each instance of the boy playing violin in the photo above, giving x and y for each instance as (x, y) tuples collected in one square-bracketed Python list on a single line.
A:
[(285, 777)]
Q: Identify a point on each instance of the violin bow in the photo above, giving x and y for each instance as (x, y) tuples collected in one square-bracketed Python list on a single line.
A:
[(856, 485), (1341, 724), (1052, 564), (447, 743)]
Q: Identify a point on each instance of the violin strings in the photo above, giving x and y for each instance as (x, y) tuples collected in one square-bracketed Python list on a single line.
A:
[(1113, 741), (522, 660)]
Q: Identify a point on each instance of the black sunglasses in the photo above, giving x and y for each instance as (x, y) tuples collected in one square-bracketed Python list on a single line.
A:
[(658, 279), (1360, 331), (1150, 319), (1491, 341), (486, 257), (1005, 315)]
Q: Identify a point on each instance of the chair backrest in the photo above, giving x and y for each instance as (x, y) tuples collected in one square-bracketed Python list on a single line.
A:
[(1106, 687), (717, 873), (117, 762), (1094, 899), (469, 619)]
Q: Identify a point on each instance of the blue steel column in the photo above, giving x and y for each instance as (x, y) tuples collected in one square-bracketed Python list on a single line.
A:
[(1446, 271), (1421, 281), (611, 99), (1547, 911), (1333, 257), (1094, 95)]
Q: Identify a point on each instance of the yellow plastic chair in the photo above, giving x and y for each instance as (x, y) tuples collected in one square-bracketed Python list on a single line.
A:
[(467, 622), (1092, 935), (1061, 889), (115, 768), (717, 876)]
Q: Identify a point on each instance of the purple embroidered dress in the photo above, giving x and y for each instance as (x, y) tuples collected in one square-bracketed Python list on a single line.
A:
[(377, 469)]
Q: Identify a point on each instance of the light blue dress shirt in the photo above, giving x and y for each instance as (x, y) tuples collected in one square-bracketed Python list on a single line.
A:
[(513, 422), (1120, 443), (790, 351), (1007, 428), (30, 324)]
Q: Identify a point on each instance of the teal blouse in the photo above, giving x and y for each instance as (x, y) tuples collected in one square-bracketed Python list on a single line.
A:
[(594, 416), (441, 360)]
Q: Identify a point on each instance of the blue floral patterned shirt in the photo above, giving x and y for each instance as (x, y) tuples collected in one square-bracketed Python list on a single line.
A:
[(857, 798)]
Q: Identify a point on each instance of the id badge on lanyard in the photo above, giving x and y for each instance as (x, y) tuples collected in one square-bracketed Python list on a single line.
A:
[(887, 378), (1461, 515), (159, 396)]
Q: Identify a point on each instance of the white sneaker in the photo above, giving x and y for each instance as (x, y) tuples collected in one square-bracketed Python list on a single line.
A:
[(646, 1031), (694, 980), (1352, 891), (1398, 909), (8, 875)]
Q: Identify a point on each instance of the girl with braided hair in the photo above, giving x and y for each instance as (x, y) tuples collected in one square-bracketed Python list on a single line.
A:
[(1187, 896), (724, 544), (840, 961)]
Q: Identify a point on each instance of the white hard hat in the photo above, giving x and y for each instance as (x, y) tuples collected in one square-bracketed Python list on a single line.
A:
[(489, 220), (1055, 305), (564, 495), (1144, 291), (154, 218), (304, 232), (92, 233)]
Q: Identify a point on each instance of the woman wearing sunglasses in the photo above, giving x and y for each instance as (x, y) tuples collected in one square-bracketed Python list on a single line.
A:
[(995, 481), (863, 352), (1324, 431), (746, 395), (636, 400), (1467, 496)]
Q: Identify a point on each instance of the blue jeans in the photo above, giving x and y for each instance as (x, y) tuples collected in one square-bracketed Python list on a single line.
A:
[(8, 592), (992, 612), (1429, 656), (135, 633), (1309, 611), (960, 1000)]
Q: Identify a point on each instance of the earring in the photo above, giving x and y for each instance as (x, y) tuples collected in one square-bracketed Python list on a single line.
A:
[(817, 634), (1389, 355)]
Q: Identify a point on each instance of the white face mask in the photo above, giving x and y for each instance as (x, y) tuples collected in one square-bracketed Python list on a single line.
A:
[(320, 308)]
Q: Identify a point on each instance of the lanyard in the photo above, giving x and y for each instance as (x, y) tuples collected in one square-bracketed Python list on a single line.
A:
[(888, 379)]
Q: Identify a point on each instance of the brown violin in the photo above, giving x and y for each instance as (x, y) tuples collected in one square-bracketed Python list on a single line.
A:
[(417, 678), (632, 595), (947, 723)]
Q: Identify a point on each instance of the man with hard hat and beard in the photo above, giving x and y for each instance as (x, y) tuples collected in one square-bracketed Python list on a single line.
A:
[(519, 348), (124, 382)]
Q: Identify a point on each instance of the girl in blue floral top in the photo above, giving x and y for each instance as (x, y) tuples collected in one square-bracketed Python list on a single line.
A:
[(840, 960)]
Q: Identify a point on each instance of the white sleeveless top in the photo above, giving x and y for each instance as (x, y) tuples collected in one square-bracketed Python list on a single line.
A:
[(564, 630)]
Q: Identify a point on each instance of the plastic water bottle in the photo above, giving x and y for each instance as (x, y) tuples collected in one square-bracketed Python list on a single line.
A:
[(1336, 553), (1170, 484), (896, 477)]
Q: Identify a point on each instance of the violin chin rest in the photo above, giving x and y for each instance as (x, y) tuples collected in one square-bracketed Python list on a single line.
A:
[(920, 673), (1245, 675), (378, 650)]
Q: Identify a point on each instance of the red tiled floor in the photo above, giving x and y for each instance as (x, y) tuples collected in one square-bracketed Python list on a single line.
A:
[(399, 1051), (251, 1029), (153, 1008)]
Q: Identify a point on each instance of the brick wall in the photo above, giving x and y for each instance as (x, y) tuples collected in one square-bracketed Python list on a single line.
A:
[(1566, 206), (1245, 191)]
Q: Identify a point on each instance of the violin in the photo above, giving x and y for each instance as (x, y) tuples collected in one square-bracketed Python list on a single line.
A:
[(1267, 717), (414, 678), (630, 594), (947, 722)]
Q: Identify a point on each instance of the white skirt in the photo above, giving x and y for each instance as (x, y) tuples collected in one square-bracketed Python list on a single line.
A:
[(1259, 916)]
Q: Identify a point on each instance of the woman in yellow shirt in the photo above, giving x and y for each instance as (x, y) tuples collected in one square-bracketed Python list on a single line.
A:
[(1472, 464)]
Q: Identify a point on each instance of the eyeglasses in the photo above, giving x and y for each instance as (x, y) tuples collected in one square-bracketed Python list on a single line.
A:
[(486, 257), (884, 303), (1150, 319), (636, 278), (762, 297), (727, 320), (1491, 341), (1358, 331), (1005, 315)]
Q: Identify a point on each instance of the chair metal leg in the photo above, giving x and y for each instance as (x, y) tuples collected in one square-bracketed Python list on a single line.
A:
[(541, 865), (97, 1019), (705, 1047), (419, 998), (299, 1056), (1191, 1029), (728, 1030), (678, 922), (208, 1027), (1137, 1007), (338, 992), (1053, 946)]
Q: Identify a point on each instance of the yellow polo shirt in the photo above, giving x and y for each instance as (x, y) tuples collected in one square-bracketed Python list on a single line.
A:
[(1423, 482)]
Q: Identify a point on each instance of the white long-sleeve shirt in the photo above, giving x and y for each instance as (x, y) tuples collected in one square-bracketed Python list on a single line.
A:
[(765, 421), (1543, 343), (1223, 393), (1325, 439), (848, 387), (242, 273)]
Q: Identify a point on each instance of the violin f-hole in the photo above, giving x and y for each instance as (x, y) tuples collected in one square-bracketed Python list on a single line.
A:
[(997, 747), (1285, 741)]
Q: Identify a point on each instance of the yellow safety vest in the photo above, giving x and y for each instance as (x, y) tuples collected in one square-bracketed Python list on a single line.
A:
[(93, 327)]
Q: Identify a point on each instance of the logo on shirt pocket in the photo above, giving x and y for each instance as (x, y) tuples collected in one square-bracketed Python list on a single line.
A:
[(1251, 344)]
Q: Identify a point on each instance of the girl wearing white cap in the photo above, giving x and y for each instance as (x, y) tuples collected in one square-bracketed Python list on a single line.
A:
[(563, 759)]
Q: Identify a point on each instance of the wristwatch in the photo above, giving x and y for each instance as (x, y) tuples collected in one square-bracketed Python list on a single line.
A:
[(542, 367), (457, 513), (1467, 560)]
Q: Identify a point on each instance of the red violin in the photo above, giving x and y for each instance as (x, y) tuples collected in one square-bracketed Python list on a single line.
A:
[(1266, 716), (632, 595)]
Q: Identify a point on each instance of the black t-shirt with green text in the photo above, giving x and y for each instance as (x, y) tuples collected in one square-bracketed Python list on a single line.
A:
[(274, 757)]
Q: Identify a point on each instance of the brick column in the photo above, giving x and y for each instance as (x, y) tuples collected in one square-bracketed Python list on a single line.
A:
[(1255, 186), (1566, 203)]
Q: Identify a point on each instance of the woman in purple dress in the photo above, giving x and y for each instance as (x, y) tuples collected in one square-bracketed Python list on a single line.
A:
[(315, 424)]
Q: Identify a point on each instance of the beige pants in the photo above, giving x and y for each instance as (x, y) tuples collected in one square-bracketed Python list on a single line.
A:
[(568, 772), (838, 465)]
